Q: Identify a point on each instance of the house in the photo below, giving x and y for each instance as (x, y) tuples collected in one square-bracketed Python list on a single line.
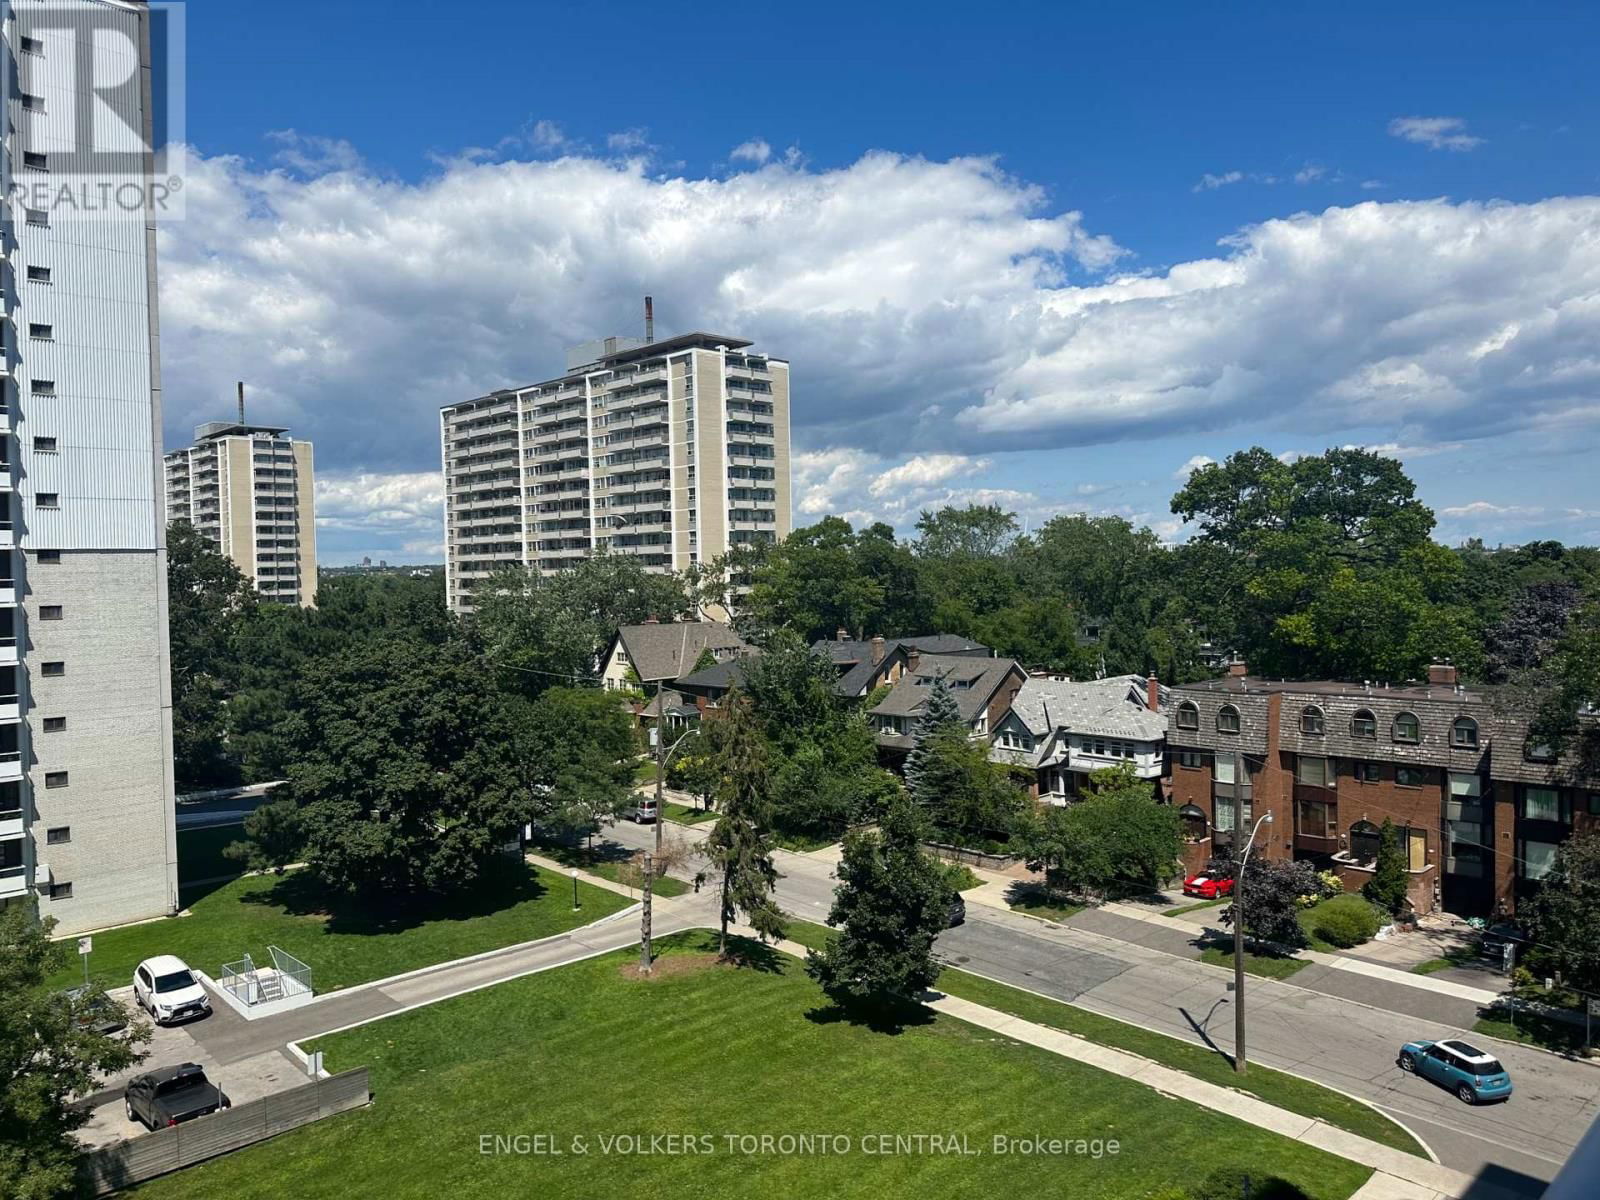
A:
[(983, 689), (660, 652), (866, 663), (1064, 730), (706, 689), (1480, 806)]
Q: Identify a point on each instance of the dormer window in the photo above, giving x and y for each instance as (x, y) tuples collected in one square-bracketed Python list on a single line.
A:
[(1364, 724), (1407, 728), (1227, 719), (1188, 715), (1312, 721), (1464, 734)]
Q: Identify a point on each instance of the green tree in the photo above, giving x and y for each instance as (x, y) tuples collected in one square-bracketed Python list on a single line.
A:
[(966, 557), (402, 768), (274, 837), (891, 904), (1388, 886), (738, 846), (967, 797), (47, 1059), (814, 582), (1564, 917), (1116, 840), (939, 711), (576, 748), (1271, 905)]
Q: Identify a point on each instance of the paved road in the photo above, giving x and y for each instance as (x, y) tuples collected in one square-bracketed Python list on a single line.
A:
[(1331, 1026)]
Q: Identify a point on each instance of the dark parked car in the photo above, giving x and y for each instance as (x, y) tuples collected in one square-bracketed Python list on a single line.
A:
[(171, 1094), (93, 1009), (957, 913)]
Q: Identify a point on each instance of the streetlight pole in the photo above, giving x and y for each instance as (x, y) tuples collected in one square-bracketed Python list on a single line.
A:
[(1238, 947), (575, 889)]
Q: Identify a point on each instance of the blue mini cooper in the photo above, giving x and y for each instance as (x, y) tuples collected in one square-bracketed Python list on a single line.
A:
[(1467, 1071)]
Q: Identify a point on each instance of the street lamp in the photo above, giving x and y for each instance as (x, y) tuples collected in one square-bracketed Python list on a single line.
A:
[(1238, 946), (663, 756), (575, 904)]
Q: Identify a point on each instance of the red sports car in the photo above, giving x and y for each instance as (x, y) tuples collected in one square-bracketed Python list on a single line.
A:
[(1207, 888)]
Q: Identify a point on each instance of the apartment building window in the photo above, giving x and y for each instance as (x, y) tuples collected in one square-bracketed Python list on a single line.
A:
[(1535, 860), (31, 45), (1366, 771), (55, 724), (30, 102), (1228, 719), (1410, 776), (44, 445), (1312, 772), (1191, 758), (38, 274), (1544, 804), (60, 835), (34, 161), (52, 670), (1188, 716), (55, 779), (1539, 752), (44, 387), (37, 216), (50, 612), (1312, 721), (1407, 728), (47, 499), (1317, 818), (1464, 734), (48, 557), (1224, 769), (1364, 724), (61, 891)]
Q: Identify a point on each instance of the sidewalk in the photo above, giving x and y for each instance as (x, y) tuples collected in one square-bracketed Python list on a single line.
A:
[(1399, 1176)]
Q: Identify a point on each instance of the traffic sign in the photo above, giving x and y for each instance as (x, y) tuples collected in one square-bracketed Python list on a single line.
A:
[(85, 944)]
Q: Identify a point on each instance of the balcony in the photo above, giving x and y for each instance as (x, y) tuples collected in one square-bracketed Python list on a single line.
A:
[(8, 537), (8, 593), (13, 882), (10, 709), (10, 766), (8, 651)]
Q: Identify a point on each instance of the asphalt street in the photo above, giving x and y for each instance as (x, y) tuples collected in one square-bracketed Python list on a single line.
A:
[(1336, 1028)]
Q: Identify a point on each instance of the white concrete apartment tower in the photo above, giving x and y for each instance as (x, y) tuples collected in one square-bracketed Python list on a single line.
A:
[(248, 489), (86, 789), (673, 450)]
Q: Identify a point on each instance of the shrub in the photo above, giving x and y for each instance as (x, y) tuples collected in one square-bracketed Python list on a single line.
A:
[(1345, 921), (1236, 1183), (1332, 885)]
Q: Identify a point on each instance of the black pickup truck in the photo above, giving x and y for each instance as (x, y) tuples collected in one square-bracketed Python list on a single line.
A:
[(172, 1094)]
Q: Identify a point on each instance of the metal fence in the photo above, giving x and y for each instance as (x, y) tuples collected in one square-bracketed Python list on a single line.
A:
[(123, 1164)]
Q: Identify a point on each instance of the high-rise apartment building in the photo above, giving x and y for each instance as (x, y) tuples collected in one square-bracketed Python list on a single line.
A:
[(86, 789), (248, 489), (672, 450)]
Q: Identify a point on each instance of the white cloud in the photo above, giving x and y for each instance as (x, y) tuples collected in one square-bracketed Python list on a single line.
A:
[(1484, 508), (1210, 183), (924, 471), (755, 150), (1310, 173), (309, 154), (1189, 468), (1436, 133), (380, 504), (546, 135), (1371, 185), (628, 141)]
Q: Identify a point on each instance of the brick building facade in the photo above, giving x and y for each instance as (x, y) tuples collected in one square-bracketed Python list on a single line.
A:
[(1480, 810)]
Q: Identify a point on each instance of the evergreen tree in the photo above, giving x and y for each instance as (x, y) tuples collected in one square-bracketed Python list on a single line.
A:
[(1387, 887), (737, 846), (891, 904), (938, 711)]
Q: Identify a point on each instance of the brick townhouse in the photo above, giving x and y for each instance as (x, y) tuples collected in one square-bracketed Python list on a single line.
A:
[(1480, 807)]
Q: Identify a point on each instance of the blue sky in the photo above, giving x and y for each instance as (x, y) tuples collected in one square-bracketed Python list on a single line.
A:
[(1046, 257)]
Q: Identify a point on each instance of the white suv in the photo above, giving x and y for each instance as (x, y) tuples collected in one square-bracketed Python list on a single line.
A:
[(166, 989)]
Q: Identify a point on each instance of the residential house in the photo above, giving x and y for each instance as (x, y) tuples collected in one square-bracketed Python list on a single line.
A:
[(866, 663), (1065, 730), (1480, 806), (706, 689), (983, 689), (658, 653)]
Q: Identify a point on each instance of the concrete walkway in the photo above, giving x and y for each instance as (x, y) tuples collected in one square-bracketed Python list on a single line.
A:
[(599, 881)]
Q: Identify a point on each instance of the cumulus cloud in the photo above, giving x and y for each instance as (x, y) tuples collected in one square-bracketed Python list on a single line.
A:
[(755, 150), (924, 471), (1189, 468), (381, 505), (1210, 183), (1436, 133), (1485, 508)]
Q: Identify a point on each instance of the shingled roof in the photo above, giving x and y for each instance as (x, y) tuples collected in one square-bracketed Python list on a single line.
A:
[(855, 655), (665, 651)]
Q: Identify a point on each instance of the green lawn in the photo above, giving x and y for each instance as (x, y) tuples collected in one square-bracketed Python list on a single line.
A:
[(685, 815), (1532, 1029), (1286, 1091), (200, 853), (1196, 907), (617, 868), (754, 1051), (802, 843), (1460, 957), (645, 772), (1268, 966), (961, 877), (1050, 910), (350, 939)]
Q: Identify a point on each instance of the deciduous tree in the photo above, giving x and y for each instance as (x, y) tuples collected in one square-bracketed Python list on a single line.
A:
[(1116, 840), (1564, 917)]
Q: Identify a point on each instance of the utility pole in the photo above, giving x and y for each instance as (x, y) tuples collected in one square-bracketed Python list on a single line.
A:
[(661, 763), (645, 957), (1239, 1063)]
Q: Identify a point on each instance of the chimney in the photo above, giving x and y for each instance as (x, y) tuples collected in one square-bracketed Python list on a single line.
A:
[(1152, 693), (649, 319), (1238, 669), (652, 620), (841, 634), (241, 402), (1443, 674), (913, 660), (877, 649)]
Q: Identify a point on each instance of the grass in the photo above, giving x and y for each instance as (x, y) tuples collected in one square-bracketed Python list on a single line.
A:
[(1037, 904), (1274, 1087), (802, 843), (755, 1050), (645, 772), (1268, 966), (200, 853), (350, 939), (614, 863), (961, 877), (1531, 1029), (1459, 957), (685, 815), (1196, 907)]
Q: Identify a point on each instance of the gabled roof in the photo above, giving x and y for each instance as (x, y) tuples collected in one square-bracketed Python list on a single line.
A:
[(665, 651), (972, 681), (1110, 707), (675, 703), (719, 678), (855, 655)]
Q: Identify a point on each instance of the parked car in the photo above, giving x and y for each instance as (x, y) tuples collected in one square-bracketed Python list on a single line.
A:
[(167, 989), (169, 1095), (93, 1009), (642, 811), (1459, 1066), (1207, 887), (957, 912)]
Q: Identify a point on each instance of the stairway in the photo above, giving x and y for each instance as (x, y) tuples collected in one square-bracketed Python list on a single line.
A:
[(269, 987)]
